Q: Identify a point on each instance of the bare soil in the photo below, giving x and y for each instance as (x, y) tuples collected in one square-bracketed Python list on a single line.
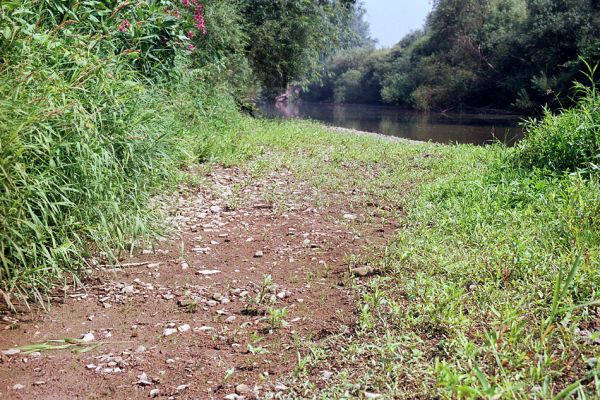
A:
[(189, 318)]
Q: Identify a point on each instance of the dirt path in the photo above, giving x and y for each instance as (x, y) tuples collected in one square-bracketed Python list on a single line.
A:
[(195, 317)]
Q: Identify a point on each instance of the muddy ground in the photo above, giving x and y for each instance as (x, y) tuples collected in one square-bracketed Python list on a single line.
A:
[(194, 316)]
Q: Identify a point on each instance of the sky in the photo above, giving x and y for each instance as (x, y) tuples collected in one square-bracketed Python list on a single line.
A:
[(391, 19)]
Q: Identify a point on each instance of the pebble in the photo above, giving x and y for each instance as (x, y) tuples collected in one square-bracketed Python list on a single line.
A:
[(143, 380), (231, 319), (169, 331), (88, 337), (140, 349), (154, 393), (350, 217), (259, 254), (326, 375), (128, 289), (18, 386), (369, 395), (181, 388), (184, 328), (215, 209), (281, 387), (11, 352), (207, 272), (243, 389), (363, 271)]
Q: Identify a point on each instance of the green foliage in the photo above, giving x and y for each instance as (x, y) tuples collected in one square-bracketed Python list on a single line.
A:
[(518, 54), (288, 38), (569, 141)]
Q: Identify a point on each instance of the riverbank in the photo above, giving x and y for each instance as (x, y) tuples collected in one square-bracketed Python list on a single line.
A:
[(422, 270)]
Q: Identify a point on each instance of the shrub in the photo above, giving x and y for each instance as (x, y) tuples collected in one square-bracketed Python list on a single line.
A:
[(568, 141)]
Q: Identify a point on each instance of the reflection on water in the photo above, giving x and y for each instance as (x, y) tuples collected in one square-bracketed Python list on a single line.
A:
[(440, 128)]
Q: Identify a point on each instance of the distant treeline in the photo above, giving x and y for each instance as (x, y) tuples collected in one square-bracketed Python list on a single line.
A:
[(506, 54)]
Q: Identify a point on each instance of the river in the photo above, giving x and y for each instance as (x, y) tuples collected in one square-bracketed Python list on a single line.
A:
[(447, 128)]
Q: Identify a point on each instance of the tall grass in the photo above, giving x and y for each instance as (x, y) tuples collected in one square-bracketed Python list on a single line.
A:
[(87, 134)]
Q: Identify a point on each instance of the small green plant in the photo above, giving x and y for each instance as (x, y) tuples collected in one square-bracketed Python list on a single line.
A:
[(257, 349), (276, 317)]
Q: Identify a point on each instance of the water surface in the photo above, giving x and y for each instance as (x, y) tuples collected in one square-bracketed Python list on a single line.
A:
[(477, 129)]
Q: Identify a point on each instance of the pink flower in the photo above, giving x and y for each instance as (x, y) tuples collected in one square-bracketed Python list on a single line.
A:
[(124, 25), (199, 18), (186, 3), (191, 47), (190, 34)]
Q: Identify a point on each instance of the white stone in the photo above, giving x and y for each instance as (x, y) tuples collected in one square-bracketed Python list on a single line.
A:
[(88, 337), (169, 331)]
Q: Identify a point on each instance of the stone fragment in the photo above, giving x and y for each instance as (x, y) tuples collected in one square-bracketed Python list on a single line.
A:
[(11, 352), (363, 271), (88, 337), (169, 331), (243, 389), (207, 272)]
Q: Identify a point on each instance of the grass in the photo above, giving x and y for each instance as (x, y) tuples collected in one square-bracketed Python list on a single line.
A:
[(490, 288)]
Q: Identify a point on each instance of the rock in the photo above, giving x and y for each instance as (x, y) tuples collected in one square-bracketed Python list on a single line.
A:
[(154, 393), (282, 295), (350, 217), (203, 329), (280, 387), (231, 319), (363, 271), (215, 209), (259, 254), (88, 337), (217, 297), (168, 296), (18, 386), (207, 272), (214, 242), (39, 383), (243, 389), (211, 303), (181, 388), (184, 328), (140, 349), (184, 265), (129, 289), (326, 375), (231, 396), (369, 395), (11, 352), (169, 331), (143, 380), (91, 366)]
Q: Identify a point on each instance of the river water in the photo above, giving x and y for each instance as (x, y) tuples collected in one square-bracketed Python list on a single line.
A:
[(477, 129)]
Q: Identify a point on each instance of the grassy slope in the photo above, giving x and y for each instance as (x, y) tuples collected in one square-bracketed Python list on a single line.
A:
[(476, 299)]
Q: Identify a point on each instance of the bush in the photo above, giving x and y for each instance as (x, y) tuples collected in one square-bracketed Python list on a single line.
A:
[(568, 141)]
